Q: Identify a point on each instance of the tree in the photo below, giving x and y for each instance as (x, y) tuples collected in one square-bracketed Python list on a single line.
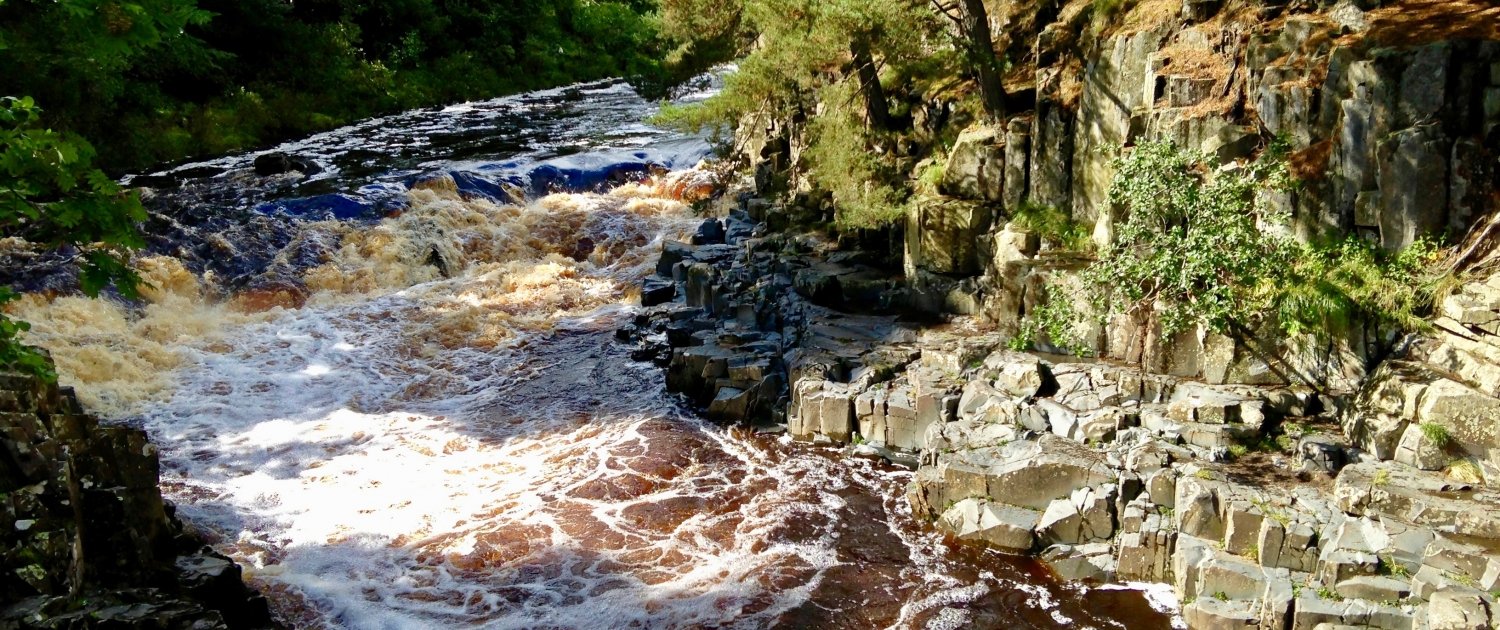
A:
[(973, 23), (51, 195)]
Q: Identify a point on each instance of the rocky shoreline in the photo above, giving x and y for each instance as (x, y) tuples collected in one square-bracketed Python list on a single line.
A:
[(1263, 506), (90, 542)]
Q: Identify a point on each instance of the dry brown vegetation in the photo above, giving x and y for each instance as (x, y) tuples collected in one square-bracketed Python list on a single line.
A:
[(1418, 22)]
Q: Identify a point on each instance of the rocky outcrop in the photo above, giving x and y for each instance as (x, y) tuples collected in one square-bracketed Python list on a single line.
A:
[(89, 542), (1186, 459), (1264, 506)]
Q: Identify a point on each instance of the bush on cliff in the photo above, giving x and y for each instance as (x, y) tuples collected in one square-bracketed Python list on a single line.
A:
[(1200, 247)]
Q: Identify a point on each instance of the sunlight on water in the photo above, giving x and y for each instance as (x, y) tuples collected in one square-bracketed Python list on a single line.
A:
[(430, 425)]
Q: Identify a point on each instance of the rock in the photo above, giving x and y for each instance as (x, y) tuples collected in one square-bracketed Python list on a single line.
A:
[(1224, 575), (1197, 510), (1470, 562), (1242, 527), (1453, 609), (1091, 562), (1377, 588), (67, 482), (1413, 166), (710, 232), (656, 291), (1017, 374), (1421, 498), (1003, 526), (730, 405), (976, 166), (942, 236), (1321, 453), (1033, 474), (274, 163), (672, 252)]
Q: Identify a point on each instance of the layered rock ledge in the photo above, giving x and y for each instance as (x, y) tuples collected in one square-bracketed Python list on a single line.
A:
[(1263, 506), (86, 538)]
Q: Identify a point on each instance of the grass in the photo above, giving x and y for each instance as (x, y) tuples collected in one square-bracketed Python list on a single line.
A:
[(1382, 477), (1436, 433), (1462, 578), (1253, 553), (1394, 569), (1272, 512), (1465, 470), (1053, 225), (1325, 592)]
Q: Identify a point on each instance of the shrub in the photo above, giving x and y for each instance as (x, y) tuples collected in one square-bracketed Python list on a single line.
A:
[(1199, 247)]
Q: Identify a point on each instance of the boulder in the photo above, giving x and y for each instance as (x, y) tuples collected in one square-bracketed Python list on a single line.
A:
[(1458, 609), (1003, 526), (942, 236), (656, 291), (276, 163), (976, 166)]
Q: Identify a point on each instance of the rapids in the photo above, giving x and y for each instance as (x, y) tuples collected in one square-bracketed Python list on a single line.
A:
[(415, 415)]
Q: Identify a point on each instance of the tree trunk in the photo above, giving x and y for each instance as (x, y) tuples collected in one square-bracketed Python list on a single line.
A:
[(869, 85), (981, 52)]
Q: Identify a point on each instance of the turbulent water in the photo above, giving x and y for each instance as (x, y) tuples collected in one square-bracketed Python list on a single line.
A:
[(412, 414)]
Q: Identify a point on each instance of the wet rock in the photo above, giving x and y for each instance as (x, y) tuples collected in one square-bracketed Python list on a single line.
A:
[(274, 163), (709, 232), (672, 253), (656, 291), (1091, 562), (730, 405), (84, 516), (1003, 526)]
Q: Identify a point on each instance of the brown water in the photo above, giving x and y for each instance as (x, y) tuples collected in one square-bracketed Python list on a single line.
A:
[(404, 444)]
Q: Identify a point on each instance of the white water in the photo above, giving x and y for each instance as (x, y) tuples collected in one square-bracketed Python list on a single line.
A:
[(411, 451)]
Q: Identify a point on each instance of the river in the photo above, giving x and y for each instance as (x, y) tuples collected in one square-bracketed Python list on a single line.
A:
[(390, 389)]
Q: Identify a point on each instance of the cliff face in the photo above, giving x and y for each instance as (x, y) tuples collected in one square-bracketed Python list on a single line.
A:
[(1183, 459), (89, 540)]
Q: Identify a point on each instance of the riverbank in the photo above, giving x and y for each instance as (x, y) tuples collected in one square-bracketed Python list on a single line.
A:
[(1253, 502), (91, 542)]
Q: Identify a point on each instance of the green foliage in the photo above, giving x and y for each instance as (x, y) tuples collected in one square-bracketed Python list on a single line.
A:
[(802, 56), (1436, 433), (1199, 248), (154, 80), (1328, 593), (1104, 11), (1328, 287), (1054, 225), (51, 194), (839, 160), (1394, 569), (13, 354)]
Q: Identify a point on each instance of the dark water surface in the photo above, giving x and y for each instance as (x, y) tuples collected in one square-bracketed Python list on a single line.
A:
[(392, 392)]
